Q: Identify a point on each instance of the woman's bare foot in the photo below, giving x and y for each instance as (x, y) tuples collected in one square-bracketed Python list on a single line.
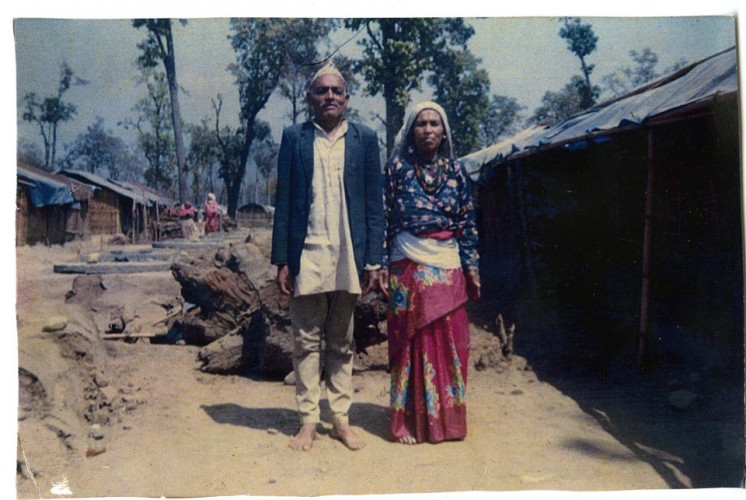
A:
[(303, 441), (408, 439), (344, 433)]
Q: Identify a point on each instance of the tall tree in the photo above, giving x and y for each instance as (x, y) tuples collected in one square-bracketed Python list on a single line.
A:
[(263, 47), (503, 116), (264, 153), (29, 153), (229, 145), (626, 78), (581, 41), (557, 106), (462, 88), (396, 55), (203, 158), (154, 130), (99, 150), (299, 63), (50, 112), (157, 47)]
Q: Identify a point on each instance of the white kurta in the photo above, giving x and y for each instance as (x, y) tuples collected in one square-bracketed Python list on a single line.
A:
[(327, 262)]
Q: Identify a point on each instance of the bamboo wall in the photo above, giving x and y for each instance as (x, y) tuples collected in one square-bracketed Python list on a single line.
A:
[(104, 213)]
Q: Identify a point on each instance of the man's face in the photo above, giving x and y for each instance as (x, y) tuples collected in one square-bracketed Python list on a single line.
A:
[(328, 98)]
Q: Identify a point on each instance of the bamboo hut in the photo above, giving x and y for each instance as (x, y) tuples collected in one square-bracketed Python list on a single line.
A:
[(121, 208), (50, 209), (626, 219)]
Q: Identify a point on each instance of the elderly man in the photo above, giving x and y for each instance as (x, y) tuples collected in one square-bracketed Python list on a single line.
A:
[(327, 238)]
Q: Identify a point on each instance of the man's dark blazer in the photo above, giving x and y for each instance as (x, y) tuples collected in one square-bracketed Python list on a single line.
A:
[(363, 195)]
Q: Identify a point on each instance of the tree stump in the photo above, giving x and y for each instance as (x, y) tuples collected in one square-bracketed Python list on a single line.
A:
[(244, 320)]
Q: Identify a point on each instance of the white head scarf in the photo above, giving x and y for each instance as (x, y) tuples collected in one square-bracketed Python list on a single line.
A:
[(400, 143)]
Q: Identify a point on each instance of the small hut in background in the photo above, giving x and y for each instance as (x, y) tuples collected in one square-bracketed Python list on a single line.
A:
[(625, 220), (120, 208), (254, 214), (50, 209), (151, 218)]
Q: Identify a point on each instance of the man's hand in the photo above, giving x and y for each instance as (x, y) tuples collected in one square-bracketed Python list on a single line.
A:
[(284, 280), (473, 286), (370, 280)]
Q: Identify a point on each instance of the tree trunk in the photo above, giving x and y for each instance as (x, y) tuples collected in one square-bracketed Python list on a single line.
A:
[(244, 320), (223, 355), (173, 88)]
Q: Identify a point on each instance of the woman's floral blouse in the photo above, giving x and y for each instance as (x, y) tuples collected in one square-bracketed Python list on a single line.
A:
[(409, 207)]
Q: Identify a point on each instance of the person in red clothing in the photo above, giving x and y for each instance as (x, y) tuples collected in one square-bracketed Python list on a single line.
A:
[(433, 269), (212, 215)]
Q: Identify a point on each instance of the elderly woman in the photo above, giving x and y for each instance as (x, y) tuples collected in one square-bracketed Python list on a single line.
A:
[(431, 246), (212, 214)]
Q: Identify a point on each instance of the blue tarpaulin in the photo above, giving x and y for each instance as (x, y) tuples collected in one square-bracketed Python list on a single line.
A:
[(43, 191)]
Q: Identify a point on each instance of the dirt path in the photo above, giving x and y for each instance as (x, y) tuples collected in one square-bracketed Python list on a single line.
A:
[(177, 432)]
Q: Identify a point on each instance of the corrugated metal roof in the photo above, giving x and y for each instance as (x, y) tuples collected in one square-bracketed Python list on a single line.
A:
[(702, 80), (145, 191), (79, 191), (104, 183)]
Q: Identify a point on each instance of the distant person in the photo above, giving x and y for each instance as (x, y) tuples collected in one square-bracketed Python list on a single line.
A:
[(327, 237), (433, 268), (186, 218), (212, 215)]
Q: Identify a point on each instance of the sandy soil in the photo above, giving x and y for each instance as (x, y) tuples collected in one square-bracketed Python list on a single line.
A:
[(114, 418)]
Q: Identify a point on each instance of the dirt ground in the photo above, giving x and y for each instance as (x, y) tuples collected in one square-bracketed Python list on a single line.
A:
[(113, 418)]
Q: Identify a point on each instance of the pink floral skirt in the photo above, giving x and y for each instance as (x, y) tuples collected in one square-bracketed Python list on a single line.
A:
[(428, 341)]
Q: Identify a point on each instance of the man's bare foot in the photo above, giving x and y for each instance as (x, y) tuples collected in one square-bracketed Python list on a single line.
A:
[(344, 433), (303, 441), (408, 439)]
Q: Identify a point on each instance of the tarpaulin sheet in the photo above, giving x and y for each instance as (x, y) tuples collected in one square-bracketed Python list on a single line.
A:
[(716, 75), (45, 192)]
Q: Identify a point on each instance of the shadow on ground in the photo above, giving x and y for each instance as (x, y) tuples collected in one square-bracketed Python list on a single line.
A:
[(370, 417), (701, 446)]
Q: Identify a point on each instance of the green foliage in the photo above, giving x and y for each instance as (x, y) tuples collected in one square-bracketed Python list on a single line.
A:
[(302, 61), (157, 47), (462, 88), (396, 55), (49, 112), (264, 152), (99, 150), (581, 41), (203, 159), (501, 120), (558, 106), (625, 79), (30, 153), (266, 50), (154, 130)]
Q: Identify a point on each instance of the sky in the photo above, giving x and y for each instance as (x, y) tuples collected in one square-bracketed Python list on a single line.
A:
[(524, 57)]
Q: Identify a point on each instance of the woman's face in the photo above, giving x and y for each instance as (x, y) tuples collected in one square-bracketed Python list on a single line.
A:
[(428, 131)]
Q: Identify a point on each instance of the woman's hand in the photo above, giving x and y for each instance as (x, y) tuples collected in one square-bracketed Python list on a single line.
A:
[(383, 283), (473, 286), (370, 280)]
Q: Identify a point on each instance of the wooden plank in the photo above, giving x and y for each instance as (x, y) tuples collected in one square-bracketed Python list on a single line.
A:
[(115, 336)]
